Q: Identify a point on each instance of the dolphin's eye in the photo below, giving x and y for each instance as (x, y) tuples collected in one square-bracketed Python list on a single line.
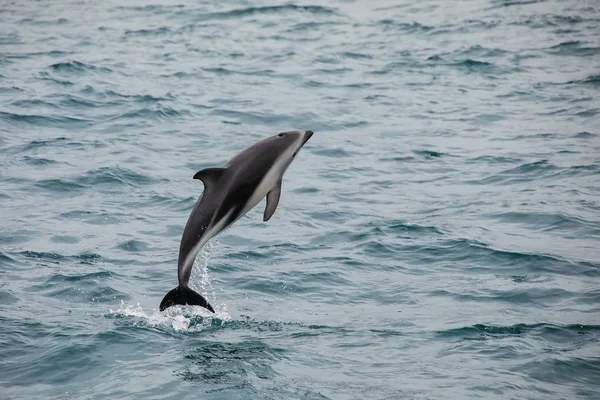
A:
[(280, 135)]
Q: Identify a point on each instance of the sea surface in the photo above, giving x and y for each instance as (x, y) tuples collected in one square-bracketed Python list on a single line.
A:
[(437, 238)]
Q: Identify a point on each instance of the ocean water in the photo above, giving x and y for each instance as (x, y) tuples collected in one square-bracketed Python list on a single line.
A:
[(437, 238)]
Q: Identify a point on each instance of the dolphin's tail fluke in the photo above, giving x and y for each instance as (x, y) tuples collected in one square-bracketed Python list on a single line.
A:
[(184, 296)]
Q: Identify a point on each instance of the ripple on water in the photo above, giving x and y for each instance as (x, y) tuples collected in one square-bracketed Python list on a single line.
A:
[(549, 222), (54, 121), (221, 363), (279, 10), (134, 246), (523, 173), (435, 224), (77, 68), (83, 288)]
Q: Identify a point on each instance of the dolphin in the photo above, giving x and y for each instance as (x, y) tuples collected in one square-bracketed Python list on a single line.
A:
[(229, 193)]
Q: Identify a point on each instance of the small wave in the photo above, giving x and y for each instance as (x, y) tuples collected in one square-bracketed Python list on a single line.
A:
[(494, 160), (62, 122), (483, 256), (329, 278), (568, 44), (54, 142), (307, 26), (56, 258), (5, 259), (134, 246), (35, 104), (578, 170), (148, 32), (550, 135), (11, 89), (286, 8), (158, 114), (70, 102), (566, 19), (57, 21), (116, 97), (549, 222), (77, 68), (93, 276), (511, 3), (538, 170), (467, 64), (533, 136), (151, 7), (94, 217), (349, 238), (520, 296), (561, 370), (333, 153), (110, 176), (267, 119), (544, 21), (65, 239), (7, 298), (56, 364), (481, 51), (83, 287), (481, 331), (407, 27), (470, 63), (225, 71), (523, 173), (588, 113), (307, 189), (59, 185), (518, 95), (592, 80), (45, 76), (468, 27), (270, 286), (247, 254), (396, 227), (431, 154), (38, 161), (206, 363), (584, 135), (573, 48)]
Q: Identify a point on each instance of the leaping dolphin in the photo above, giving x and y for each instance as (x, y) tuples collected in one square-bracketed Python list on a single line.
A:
[(229, 193)]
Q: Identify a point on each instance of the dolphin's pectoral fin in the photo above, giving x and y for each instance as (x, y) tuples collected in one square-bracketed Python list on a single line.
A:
[(272, 201), (209, 176)]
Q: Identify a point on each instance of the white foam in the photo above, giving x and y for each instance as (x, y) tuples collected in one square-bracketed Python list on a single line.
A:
[(182, 318), (178, 318)]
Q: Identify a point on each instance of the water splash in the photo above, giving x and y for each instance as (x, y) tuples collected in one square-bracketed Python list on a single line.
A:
[(199, 279), (178, 318), (183, 318)]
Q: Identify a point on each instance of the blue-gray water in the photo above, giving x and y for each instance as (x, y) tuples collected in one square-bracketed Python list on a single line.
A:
[(437, 238)]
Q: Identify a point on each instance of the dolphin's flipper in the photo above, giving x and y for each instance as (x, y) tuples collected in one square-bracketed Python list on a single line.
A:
[(209, 176), (272, 201), (184, 296)]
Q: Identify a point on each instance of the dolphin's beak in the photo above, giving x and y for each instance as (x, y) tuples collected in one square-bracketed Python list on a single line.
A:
[(307, 135)]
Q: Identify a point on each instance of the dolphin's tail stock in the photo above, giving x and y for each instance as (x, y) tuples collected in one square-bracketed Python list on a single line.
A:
[(184, 296)]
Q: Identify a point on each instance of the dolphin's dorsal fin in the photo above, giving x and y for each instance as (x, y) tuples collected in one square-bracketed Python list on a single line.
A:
[(272, 201), (209, 176)]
